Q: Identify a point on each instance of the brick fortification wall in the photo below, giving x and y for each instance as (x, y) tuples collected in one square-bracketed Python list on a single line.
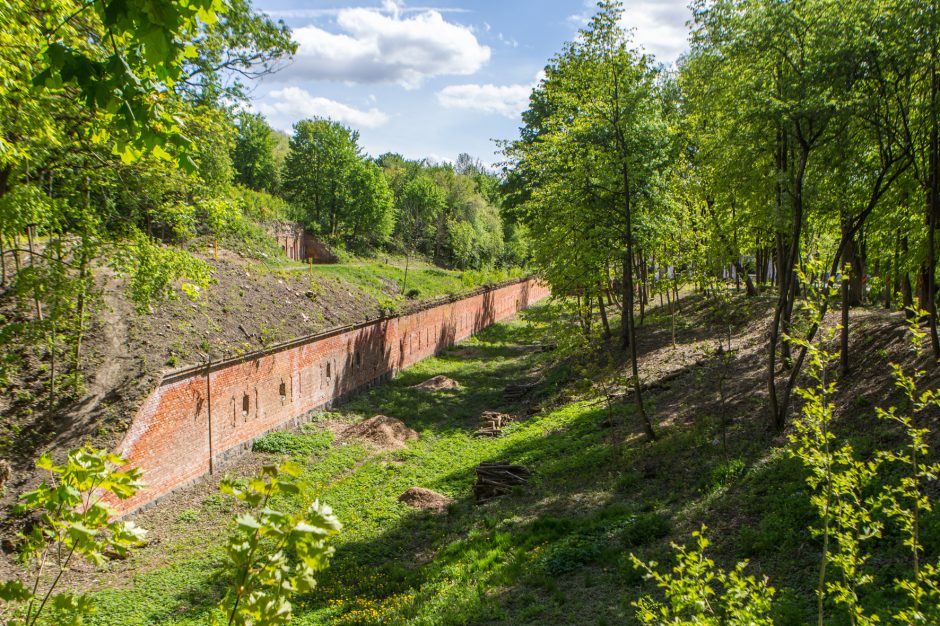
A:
[(199, 417)]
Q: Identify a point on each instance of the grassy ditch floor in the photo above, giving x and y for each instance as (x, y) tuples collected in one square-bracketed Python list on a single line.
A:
[(556, 551)]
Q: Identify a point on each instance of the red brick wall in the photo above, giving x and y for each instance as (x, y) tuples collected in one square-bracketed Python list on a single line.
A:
[(170, 436)]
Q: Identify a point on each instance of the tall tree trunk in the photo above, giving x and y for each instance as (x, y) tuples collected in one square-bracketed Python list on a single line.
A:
[(892, 274), (787, 292), (82, 300), (628, 307), (603, 310), (933, 201), (848, 266), (32, 265), (844, 332), (641, 292), (626, 287), (907, 291)]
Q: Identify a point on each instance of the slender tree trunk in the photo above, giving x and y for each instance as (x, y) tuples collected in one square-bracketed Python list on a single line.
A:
[(785, 346), (16, 253), (3, 263), (32, 264), (603, 310), (933, 204), (844, 332), (848, 265), (907, 291), (404, 281), (52, 364), (640, 286), (891, 275), (787, 293), (628, 307), (80, 310), (761, 269), (588, 313), (627, 297)]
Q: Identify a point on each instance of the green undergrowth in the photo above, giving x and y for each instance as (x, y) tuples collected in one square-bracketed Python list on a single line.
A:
[(555, 551)]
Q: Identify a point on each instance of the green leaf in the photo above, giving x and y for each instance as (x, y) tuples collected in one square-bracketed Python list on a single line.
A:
[(14, 591)]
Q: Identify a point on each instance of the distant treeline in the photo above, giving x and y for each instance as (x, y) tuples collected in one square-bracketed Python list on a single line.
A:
[(449, 213)]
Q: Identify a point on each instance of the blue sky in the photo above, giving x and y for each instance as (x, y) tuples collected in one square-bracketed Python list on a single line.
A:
[(434, 78)]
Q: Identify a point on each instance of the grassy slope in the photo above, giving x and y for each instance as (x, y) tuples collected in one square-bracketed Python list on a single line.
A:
[(382, 277), (556, 551)]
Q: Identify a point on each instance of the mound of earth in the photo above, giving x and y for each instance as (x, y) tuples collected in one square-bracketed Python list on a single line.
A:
[(436, 384), (424, 499), (382, 432)]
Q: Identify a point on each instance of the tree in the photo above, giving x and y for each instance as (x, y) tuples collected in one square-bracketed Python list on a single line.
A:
[(253, 153), (340, 193), (73, 521), (96, 100), (318, 172), (420, 203), (371, 213), (801, 77), (592, 150)]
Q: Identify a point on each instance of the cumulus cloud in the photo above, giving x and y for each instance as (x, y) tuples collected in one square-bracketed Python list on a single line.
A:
[(385, 46), (285, 106), (658, 25), (508, 100), (388, 7)]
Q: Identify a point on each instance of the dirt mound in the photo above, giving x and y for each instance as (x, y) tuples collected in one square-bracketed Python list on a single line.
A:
[(436, 384), (382, 431), (424, 499)]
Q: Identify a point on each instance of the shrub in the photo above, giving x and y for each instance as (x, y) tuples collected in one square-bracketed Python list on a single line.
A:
[(74, 522), (263, 577), (699, 592)]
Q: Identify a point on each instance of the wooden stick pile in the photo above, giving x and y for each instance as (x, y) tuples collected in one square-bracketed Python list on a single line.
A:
[(497, 478), (491, 424)]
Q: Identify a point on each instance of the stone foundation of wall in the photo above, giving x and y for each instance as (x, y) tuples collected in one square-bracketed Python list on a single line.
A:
[(201, 417)]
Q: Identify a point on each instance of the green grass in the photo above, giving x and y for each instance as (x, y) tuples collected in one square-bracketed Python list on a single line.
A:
[(382, 278), (553, 552)]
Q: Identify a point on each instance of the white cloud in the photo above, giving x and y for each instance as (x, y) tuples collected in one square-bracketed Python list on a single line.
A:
[(658, 25), (383, 46), (314, 13), (508, 100), (285, 106), (509, 41)]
